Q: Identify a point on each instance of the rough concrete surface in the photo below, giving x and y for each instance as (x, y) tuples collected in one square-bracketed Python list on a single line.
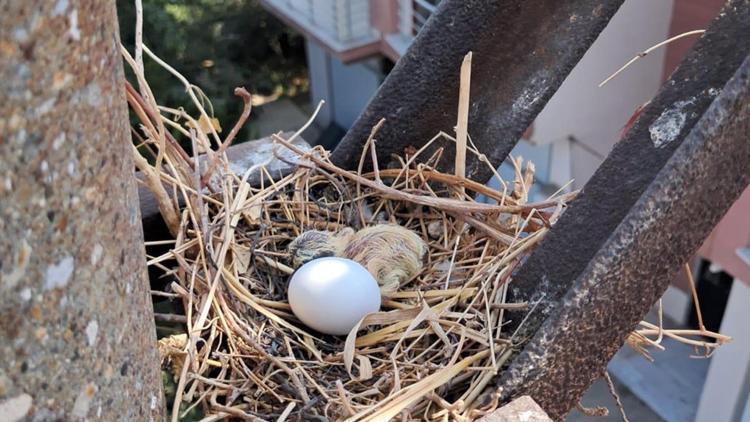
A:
[(77, 338), (522, 409)]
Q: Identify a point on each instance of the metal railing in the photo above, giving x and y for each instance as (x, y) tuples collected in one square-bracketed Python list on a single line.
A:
[(413, 14), (342, 20)]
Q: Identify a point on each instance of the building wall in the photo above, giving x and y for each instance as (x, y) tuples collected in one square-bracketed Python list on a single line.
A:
[(725, 392), (346, 88), (595, 116), (354, 85), (688, 15), (318, 64), (732, 233)]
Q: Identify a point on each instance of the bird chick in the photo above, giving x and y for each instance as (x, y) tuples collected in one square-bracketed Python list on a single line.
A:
[(314, 244), (391, 253)]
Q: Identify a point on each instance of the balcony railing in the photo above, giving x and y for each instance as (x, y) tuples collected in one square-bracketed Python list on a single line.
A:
[(338, 22), (345, 25), (413, 14)]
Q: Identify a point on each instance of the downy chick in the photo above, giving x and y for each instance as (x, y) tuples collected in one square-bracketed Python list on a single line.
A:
[(391, 253)]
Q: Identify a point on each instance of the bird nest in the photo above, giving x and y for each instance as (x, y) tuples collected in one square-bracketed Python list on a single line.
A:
[(431, 351), (440, 337)]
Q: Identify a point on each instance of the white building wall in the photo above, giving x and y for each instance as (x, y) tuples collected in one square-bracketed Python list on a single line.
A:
[(353, 86), (676, 304), (584, 160), (560, 171), (320, 85), (746, 414), (595, 116), (346, 88), (725, 392)]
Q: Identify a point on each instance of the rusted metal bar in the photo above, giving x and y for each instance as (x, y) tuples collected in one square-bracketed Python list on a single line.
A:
[(635, 264), (523, 50), (632, 165)]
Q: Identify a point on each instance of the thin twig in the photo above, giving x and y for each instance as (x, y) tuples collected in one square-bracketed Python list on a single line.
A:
[(694, 293), (660, 314), (616, 396), (246, 108), (649, 50), (139, 34), (369, 140)]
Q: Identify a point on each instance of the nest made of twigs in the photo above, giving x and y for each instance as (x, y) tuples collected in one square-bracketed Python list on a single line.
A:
[(438, 340), (440, 337)]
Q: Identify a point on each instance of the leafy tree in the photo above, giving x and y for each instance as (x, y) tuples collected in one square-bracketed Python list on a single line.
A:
[(218, 45)]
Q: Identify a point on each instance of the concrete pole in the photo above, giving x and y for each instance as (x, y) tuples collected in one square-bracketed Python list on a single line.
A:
[(77, 337)]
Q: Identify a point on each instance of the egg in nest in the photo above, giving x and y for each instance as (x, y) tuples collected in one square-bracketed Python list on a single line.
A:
[(391, 253)]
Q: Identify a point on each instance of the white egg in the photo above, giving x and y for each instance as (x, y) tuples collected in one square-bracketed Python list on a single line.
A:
[(332, 294)]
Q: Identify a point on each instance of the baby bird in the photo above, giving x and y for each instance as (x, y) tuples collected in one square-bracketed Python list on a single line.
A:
[(391, 253), (314, 244)]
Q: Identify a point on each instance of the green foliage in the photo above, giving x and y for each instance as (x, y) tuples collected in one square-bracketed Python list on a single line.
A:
[(170, 391), (218, 45)]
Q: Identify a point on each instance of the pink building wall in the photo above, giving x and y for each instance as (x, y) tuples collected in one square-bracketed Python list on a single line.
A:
[(733, 231)]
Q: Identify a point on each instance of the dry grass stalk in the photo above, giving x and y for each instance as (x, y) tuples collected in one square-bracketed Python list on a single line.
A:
[(462, 126), (704, 341), (644, 53)]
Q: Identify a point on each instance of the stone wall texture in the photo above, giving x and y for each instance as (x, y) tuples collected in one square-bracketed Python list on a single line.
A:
[(77, 338)]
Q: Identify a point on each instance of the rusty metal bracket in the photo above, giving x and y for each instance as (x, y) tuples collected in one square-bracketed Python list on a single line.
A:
[(523, 50), (633, 163), (634, 266), (613, 253)]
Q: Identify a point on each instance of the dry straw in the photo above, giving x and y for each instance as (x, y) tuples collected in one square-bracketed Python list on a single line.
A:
[(436, 344), (432, 351)]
